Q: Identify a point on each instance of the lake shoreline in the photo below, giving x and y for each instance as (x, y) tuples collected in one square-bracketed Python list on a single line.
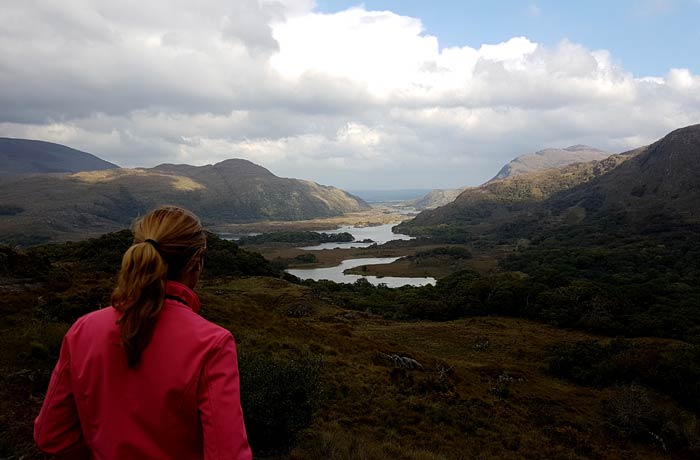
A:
[(406, 266), (353, 269), (340, 273), (378, 215)]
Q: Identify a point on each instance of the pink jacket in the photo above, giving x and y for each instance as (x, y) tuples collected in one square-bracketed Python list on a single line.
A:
[(181, 402)]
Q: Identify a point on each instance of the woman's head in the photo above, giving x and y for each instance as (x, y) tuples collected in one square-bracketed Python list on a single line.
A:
[(168, 245), (176, 235)]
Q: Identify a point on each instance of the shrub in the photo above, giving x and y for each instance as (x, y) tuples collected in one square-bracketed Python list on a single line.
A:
[(454, 252), (279, 263), (306, 258), (297, 238), (278, 399), (225, 258), (634, 412), (673, 369), (300, 310)]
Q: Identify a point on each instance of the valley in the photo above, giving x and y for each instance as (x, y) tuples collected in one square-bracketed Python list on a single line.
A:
[(550, 314), (373, 216), (435, 230), (414, 261), (493, 384)]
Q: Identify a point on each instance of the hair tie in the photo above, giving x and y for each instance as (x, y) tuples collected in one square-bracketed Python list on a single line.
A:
[(153, 243)]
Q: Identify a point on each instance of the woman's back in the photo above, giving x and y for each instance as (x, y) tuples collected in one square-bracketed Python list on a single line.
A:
[(177, 398)]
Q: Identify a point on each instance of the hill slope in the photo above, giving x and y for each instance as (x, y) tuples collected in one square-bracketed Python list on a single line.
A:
[(58, 207), (550, 158), (502, 199), (313, 361), (656, 190), (24, 156), (649, 189), (524, 164), (436, 198)]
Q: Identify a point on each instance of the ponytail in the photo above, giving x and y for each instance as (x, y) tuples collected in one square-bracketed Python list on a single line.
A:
[(166, 242), (139, 295)]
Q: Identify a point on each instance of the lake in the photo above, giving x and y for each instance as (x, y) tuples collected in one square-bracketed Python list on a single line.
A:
[(336, 273), (379, 234)]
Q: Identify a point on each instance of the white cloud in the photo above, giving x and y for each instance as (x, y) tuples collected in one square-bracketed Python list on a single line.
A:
[(683, 80), (357, 98)]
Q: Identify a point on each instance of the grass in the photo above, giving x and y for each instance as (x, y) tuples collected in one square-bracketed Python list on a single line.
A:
[(416, 261), (485, 391), (369, 409), (377, 215)]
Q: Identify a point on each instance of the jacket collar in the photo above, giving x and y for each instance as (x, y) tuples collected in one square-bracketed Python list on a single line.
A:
[(175, 289)]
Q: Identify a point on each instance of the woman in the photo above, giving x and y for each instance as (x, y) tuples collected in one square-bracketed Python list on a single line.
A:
[(148, 378)]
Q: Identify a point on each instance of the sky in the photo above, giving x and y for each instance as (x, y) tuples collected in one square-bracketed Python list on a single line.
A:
[(645, 37), (374, 95)]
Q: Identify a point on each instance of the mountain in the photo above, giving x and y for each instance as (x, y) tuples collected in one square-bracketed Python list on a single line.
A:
[(435, 198), (54, 207), (389, 196), (524, 164), (24, 156), (550, 158), (502, 199), (657, 189), (649, 189)]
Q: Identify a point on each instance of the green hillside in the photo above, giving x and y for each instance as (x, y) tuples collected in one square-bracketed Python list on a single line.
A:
[(649, 190), (551, 158), (46, 208), (479, 208)]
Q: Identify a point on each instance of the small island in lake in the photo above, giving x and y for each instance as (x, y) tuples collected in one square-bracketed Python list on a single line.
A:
[(297, 237)]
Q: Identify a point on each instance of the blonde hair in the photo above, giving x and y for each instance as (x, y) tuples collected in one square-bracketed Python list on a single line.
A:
[(167, 243)]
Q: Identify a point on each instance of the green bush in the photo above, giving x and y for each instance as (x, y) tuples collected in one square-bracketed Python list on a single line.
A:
[(306, 258), (632, 411), (673, 369), (454, 252), (585, 362), (278, 399), (225, 258), (297, 237)]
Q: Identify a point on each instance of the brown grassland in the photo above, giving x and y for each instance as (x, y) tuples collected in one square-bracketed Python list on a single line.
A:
[(436, 267), (377, 215), (483, 393), (479, 387)]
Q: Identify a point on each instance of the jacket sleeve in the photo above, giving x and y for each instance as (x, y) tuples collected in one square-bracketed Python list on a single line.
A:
[(57, 429), (219, 404)]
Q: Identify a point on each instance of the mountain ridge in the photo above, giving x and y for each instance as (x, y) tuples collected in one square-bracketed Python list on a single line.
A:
[(649, 189), (502, 199), (55, 207), (548, 158), (663, 180), (28, 156)]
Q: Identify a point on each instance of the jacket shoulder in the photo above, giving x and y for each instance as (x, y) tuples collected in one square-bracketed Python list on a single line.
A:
[(95, 320), (199, 326)]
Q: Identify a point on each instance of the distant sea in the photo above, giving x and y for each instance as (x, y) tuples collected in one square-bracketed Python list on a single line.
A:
[(390, 196)]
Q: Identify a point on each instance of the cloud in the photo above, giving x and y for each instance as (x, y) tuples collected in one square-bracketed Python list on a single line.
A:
[(358, 98), (249, 23)]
